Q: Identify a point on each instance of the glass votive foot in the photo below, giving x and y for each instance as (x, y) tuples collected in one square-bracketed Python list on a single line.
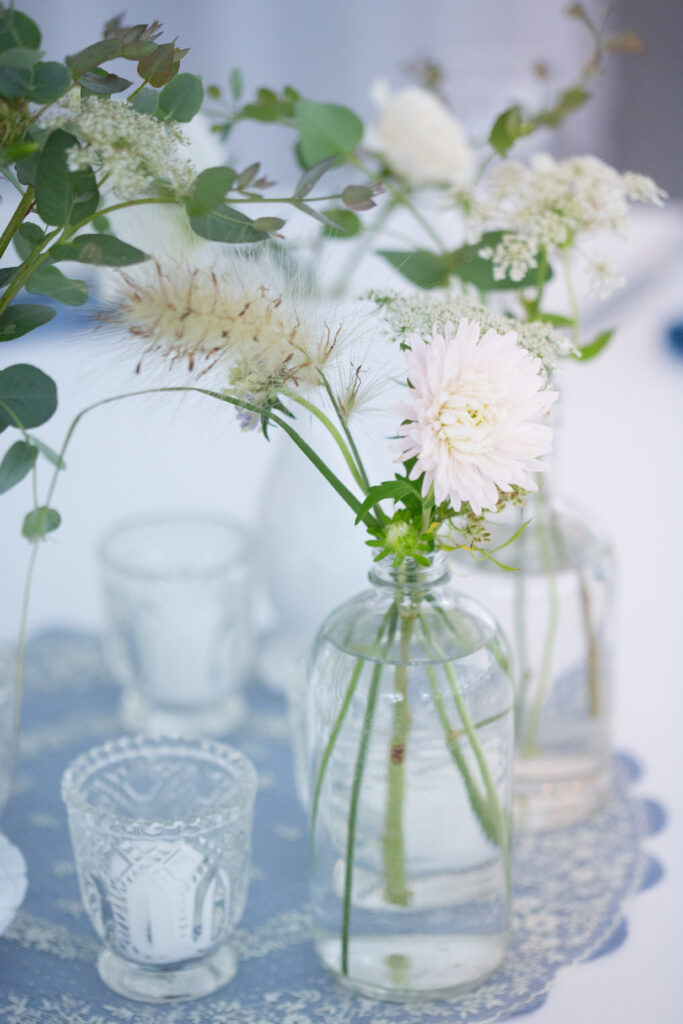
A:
[(139, 715), (170, 983)]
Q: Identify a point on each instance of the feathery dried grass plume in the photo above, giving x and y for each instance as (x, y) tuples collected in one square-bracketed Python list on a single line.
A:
[(231, 314)]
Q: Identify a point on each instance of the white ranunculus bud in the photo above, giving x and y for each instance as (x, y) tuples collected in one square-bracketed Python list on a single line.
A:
[(419, 138)]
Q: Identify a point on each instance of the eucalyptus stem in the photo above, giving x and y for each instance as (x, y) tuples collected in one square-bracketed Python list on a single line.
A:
[(530, 745), (393, 843), (593, 649), (17, 218)]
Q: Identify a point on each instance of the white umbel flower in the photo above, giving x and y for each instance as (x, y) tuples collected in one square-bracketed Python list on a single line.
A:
[(474, 419), (419, 138)]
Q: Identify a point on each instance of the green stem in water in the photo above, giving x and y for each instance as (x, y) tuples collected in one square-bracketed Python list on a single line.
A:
[(356, 785), (495, 810), (478, 802), (520, 620), (393, 845), (593, 650), (530, 745)]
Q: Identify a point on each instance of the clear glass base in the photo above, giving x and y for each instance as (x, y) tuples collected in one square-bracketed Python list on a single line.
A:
[(141, 715), (413, 968), (556, 792), (174, 984)]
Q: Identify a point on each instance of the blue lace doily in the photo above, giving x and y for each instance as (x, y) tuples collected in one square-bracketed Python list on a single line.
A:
[(569, 896)]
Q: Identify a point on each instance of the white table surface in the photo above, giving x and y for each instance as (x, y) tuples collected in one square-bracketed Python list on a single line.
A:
[(621, 454)]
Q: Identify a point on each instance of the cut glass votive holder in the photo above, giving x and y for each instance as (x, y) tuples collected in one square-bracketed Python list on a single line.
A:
[(161, 834), (176, 593)]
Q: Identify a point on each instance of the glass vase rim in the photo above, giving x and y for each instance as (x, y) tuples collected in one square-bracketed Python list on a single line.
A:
[(127, 565), (385, 574), (77, 774)]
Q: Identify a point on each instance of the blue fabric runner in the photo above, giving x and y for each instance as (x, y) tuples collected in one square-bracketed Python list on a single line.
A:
[(570, 887)]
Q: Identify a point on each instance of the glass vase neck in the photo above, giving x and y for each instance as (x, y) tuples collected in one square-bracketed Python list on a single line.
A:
[(410, 573)]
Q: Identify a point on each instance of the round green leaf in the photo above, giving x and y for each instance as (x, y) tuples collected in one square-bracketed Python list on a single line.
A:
[(40, 522), (27, 395), (208, 190), (326, 129), (227, 225), (18, 461), (51, 281), (17, 29), (182, 98), (22, 317), (14, 81), (50, 80), (423, 268), (347, 224), (103, 250), (146, 101)]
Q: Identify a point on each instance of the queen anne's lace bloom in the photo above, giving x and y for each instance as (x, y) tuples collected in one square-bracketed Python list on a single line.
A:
[(549, 204), (133, 149), (473, 422)]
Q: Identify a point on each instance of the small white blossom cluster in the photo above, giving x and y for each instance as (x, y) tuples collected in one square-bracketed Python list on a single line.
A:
[(229, 314), (602, 276), (132, 149), (549, 205), (419, 314)]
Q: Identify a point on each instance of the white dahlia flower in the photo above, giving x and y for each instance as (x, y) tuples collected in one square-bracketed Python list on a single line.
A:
[(419, 138), (475, 415)]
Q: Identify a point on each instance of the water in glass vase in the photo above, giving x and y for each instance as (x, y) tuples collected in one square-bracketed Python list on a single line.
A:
[(410, 738), (556, 609)]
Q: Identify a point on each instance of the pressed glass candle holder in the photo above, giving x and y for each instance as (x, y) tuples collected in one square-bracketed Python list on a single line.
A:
[(177, 622), (161, 834)]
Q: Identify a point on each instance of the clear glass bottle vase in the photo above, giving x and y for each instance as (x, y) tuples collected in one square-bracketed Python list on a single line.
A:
[(557, 610), (409, 737)]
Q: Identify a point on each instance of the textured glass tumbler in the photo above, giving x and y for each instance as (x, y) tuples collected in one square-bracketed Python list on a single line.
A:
[(177, 621), (161, 833)]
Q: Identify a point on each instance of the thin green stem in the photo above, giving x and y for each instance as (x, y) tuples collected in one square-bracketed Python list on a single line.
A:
[(571, 296), (478, 802), (393, 844), (339, 440), (25, 270), (356, 785), (17, 218), (365, 482), (520, 622), (470, 731), (401, 198), (530, 744), (593, 649)]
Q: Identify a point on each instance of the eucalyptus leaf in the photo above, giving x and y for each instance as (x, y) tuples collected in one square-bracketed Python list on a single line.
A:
[(27, 168), (27, 239), (224, 224), (39, 522), (49, 82), (51, 281), (27, 395), (103, 250), (159, 66), (182, 98), (208, 190), (103, 84), (54, 182), (346, 224), (326, 129), (17, 29), (311, 177), (19, 57), (20, 318), (236, 84), (425, 269), (18, 461), (14, 82), (6, 275), (245, 178), (268, 224), (508, 128), (92, 56), (145, 102)]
